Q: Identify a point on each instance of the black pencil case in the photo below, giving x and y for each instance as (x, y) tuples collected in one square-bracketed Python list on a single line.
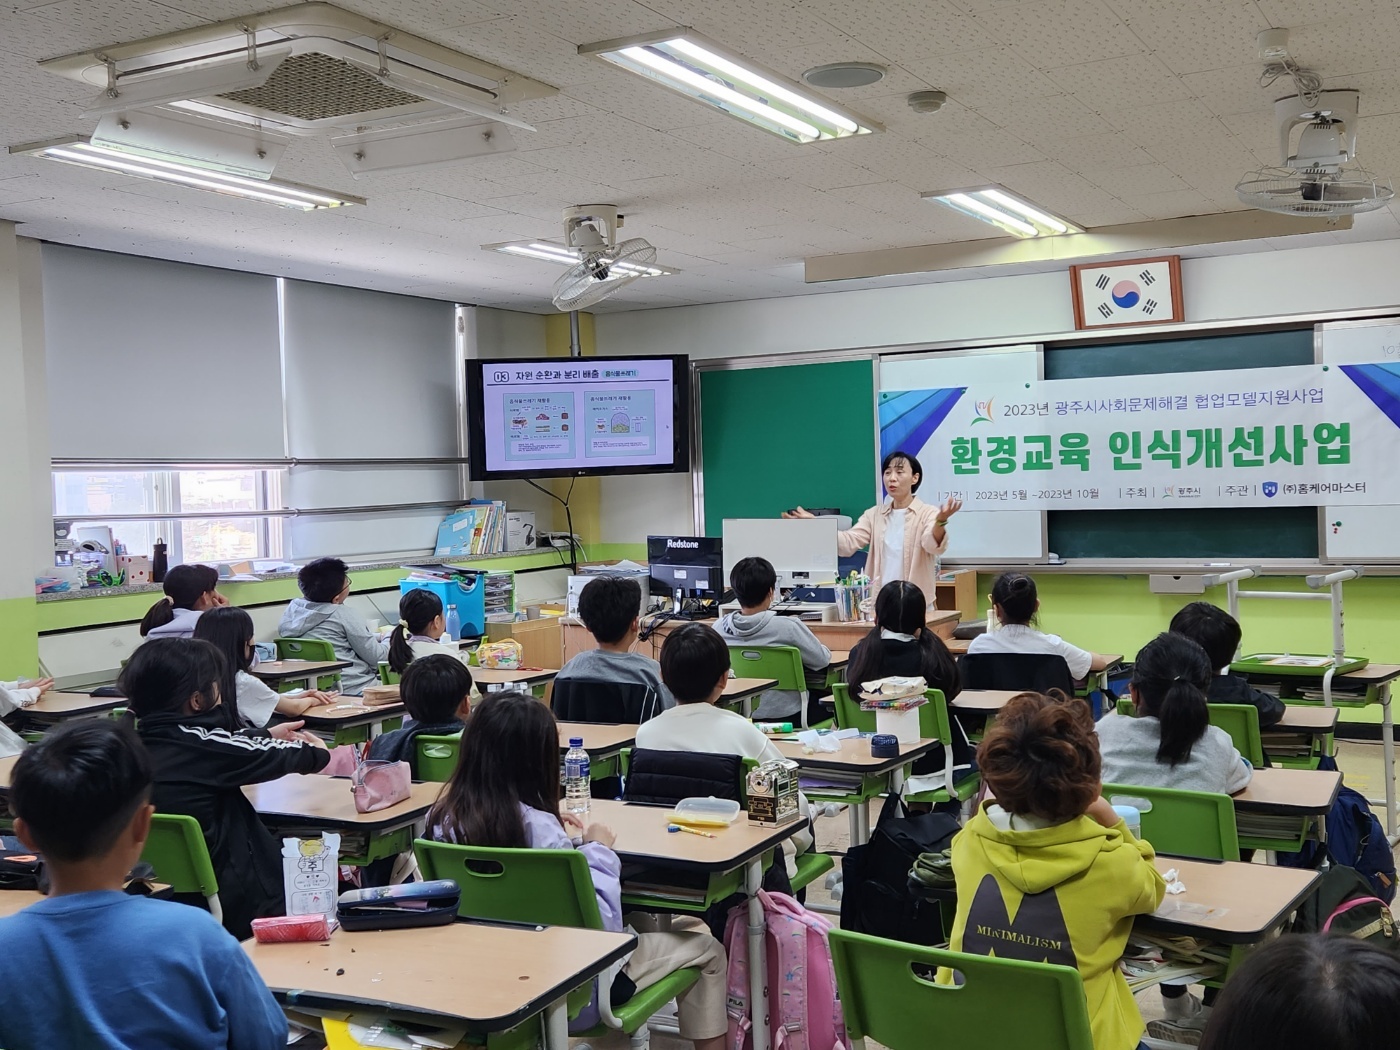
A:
[(408, 905)]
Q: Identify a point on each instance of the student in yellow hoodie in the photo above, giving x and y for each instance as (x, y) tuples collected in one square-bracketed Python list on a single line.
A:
[(1048, 872)]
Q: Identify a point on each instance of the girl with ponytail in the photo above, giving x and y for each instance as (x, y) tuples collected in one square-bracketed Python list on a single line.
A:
[(189, 591), (421, 624)]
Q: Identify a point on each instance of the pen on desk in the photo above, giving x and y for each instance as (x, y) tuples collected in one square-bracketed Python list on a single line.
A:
[(673, 828)]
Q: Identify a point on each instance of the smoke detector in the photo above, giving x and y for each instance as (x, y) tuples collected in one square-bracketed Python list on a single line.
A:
[(927, 101)]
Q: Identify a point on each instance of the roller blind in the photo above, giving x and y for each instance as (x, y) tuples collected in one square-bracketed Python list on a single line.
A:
[(156, 359)]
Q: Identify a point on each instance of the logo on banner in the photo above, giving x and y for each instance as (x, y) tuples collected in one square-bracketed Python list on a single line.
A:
[(1270, 489), (984, 412)]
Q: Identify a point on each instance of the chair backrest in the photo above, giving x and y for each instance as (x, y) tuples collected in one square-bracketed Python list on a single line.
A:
[(304, 649), (551, 887), (179, 854), (1241, 721), (666, 777), (888, 995), (436, 757), (1024, 672), (934, 721), (782, 662), (590, 700), (1197, 824), (388, 676)]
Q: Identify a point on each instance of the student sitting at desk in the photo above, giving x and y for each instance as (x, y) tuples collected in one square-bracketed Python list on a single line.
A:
[(421, 625), (609, 607), (505, 794), (15, 696), (96, 967), (201, 766), (1017, 607), (230, 630), (754, 580), (1052, 853), (189, 591), (1218, 633), (1172, 744), (436, 691), (901, 644), (321, 613), (695, 667)]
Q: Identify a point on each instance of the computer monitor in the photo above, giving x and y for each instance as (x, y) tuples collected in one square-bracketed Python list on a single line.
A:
[(802, 550), (686, 566)]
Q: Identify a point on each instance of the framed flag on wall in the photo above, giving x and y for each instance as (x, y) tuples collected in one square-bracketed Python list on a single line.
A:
[(1127, 292)]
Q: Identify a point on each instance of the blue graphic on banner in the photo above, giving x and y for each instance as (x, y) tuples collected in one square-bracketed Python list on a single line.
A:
[(908, 418), (1381, 383)]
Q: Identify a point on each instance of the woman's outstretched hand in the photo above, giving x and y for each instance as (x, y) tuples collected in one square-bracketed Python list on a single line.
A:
[(798, 512)]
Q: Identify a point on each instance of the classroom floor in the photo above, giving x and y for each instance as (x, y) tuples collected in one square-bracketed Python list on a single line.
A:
[(1360, 762)]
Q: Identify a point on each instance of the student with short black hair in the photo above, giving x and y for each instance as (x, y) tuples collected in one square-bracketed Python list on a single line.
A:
[(230, 630), (754, 581), (695, 667), (1306, 991), (201, 767), (436, 691), (1218, 633), (609, 608), (901, 644), (321, 613), (190, 590), (1017, 608), (101, 968), (1048, 872), (419, 631)]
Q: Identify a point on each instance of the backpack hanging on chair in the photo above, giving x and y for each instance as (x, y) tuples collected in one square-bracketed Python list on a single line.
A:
[(803, 1011)]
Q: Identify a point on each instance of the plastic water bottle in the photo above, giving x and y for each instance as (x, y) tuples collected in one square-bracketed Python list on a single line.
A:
[(578, 787), (454, 624)]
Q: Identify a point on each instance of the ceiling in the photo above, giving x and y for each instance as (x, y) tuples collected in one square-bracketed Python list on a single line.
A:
[(1107, 111)]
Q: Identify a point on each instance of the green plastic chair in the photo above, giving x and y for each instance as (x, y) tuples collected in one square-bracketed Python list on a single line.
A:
[(437, 756), (780, 662), (177, 851), (934, 721), (1198, 824), (545, 886), (387, 676), (1241, 721), (307, 649), (888, 995)]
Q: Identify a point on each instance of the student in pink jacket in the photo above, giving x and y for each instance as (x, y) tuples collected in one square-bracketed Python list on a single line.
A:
[(905, 535)]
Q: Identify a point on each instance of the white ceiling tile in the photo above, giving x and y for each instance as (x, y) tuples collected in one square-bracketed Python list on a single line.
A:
[(1169, 205), (1135, 181), (1234, 89), (1359, 45), (1091, 152), (1191, 36), (1045, 120), (750, 28), (1053, 33), (1135, 80), (906, 30), (987, 76)]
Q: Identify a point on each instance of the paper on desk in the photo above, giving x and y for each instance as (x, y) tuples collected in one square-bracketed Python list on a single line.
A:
[(829, 743), (1174, 884)]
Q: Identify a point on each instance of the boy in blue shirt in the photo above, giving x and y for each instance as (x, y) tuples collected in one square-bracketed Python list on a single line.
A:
[(100, 968)]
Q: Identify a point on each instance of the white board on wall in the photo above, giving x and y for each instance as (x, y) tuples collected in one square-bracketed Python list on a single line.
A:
[(1360, 534), (1013, 535)]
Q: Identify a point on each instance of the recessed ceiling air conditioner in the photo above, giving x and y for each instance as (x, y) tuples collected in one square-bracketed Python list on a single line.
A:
[(311, 69)]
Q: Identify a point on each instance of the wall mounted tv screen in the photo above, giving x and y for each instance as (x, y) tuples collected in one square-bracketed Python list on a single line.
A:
[(578, 416)]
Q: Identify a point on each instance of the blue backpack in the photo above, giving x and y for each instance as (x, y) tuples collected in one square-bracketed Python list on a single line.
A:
[(1355, 839)]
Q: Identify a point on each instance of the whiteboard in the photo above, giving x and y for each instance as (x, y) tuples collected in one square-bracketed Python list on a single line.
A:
[(988, 535), (1359, 534)]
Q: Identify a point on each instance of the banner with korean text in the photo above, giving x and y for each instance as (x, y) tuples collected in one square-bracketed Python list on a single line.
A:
[(1300, 435)]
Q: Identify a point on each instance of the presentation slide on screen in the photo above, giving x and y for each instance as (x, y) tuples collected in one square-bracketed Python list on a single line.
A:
[(582, 415)]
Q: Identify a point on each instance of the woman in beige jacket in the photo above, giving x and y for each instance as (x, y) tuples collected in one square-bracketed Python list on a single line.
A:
[(905, 535)]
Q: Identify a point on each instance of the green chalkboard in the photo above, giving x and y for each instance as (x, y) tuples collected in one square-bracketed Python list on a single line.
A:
[(1263, 532), (773, 438)]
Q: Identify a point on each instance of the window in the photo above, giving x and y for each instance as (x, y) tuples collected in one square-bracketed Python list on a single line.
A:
[(218, 538)]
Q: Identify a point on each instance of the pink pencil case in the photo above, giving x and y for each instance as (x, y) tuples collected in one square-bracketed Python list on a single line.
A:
[(278, 928)]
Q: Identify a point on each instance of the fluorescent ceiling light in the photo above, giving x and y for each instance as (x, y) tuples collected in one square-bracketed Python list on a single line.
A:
[(700, 69), (1005, 210), (548, 251), (78, 150)]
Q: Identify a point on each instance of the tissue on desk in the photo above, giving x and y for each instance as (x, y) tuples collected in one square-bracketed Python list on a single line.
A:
[(829, 743), (1174, 884)]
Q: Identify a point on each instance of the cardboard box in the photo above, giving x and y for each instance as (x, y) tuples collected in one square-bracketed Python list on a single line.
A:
[(520, 530)]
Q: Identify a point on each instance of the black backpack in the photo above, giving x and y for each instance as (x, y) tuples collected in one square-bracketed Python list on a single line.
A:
[(1345, 903), (875, 895)]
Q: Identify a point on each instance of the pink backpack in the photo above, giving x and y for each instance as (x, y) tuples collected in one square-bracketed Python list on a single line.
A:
[(803, 1011)]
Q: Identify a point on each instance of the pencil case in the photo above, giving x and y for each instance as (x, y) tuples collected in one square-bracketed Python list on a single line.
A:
[(409, 904)]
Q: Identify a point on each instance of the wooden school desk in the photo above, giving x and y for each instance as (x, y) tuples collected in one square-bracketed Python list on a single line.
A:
[(350, 720), (490, 978), (874, 776), (1373, 683), (741, 691), (642, 839), (604, 742), (489, 679), (275, 672), (7, 769), (55, 707), (1228, 902)]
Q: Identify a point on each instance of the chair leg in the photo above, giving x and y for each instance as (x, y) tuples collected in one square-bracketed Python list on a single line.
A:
[(640, 1039), (215, 908)]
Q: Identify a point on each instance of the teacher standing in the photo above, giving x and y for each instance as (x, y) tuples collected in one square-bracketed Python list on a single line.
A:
[(905, 535)]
